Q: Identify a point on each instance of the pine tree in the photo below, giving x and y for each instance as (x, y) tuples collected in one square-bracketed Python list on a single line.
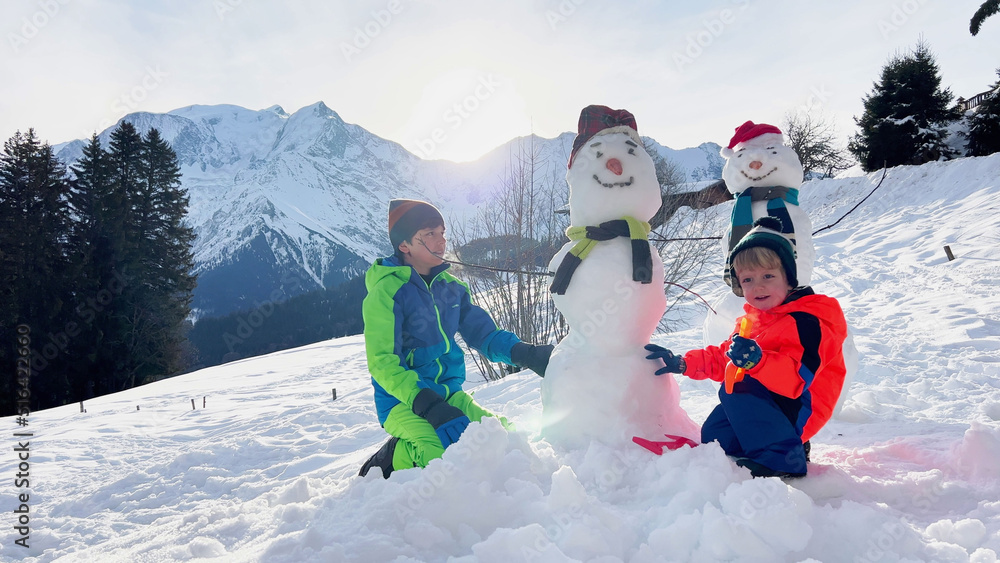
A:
[(34, 265), (984, 125), (906, 115), (167, 261), (987, 9), (118, 346), (97, 239), (136, 283)]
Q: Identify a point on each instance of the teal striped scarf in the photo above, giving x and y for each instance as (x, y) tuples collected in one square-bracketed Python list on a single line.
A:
[(742, 219)]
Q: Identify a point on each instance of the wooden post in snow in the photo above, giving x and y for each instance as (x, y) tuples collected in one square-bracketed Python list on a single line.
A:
[(947, 250)]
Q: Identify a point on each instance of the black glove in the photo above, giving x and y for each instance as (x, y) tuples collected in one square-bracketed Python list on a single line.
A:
[(671, 362), (449, 422), (531, 356)]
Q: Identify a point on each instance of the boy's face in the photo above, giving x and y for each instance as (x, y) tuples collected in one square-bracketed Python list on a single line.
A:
[(424, 250), (764, 288)]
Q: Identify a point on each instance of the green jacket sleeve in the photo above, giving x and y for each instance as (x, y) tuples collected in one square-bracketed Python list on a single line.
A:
[(382, 343)]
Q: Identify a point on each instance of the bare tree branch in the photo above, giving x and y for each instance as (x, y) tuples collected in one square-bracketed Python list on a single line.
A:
[(814, 140), (519, 231)]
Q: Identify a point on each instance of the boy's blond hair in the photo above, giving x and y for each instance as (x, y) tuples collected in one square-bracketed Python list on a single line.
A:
[(758, 257)]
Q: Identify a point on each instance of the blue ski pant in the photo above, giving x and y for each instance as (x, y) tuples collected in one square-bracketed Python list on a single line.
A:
[(749, 423)]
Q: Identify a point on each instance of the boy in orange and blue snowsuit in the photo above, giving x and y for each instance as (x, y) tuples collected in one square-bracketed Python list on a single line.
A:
[(793, 360), (412, 311)]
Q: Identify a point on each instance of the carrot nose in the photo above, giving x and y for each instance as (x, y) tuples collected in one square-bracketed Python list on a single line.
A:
[(756, 164), (615, 166)]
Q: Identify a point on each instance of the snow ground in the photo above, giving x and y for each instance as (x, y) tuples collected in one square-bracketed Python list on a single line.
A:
[(266, 470)]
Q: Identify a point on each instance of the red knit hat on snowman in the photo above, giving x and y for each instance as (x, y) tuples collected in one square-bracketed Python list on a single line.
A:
[(602, 119), (751, 131)]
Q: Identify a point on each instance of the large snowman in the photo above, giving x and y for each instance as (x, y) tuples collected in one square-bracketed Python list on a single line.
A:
[(608, 285), (764, 175)]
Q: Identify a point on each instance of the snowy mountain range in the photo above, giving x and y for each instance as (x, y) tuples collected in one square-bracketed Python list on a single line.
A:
[(257, 460), (287, 203)]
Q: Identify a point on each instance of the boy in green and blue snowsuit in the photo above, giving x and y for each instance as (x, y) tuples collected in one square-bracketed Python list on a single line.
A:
[(412, 311)]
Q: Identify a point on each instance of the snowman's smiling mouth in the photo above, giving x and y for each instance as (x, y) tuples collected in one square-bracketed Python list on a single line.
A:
[(757, 178), (615, 184)]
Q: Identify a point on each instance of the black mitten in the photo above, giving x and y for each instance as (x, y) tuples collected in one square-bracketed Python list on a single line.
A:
[(744, 352), (531, 356), (449, 422), (672, 363)]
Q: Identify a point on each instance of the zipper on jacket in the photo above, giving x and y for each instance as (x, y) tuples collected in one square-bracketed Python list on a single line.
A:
[(447, 342)]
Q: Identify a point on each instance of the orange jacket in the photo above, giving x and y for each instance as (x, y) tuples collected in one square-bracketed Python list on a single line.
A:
[(802, 342)]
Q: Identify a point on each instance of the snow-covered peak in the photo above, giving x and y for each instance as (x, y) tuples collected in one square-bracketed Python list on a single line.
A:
[(320, 109), (313, 125), (277, 110), (201, 111)]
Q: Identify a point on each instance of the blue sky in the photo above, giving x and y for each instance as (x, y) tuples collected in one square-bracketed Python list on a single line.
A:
[(449, 79)]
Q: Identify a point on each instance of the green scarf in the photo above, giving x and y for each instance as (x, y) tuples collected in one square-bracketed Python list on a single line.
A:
[(634, 229)]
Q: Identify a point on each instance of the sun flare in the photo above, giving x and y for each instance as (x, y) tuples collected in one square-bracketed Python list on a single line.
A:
[(463, 114)]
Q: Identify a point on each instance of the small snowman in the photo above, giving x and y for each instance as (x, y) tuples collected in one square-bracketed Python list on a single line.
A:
[(608, 285), (764, 175)]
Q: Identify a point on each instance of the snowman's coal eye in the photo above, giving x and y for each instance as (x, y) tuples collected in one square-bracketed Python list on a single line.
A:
[(631, 151), (599, 154)]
